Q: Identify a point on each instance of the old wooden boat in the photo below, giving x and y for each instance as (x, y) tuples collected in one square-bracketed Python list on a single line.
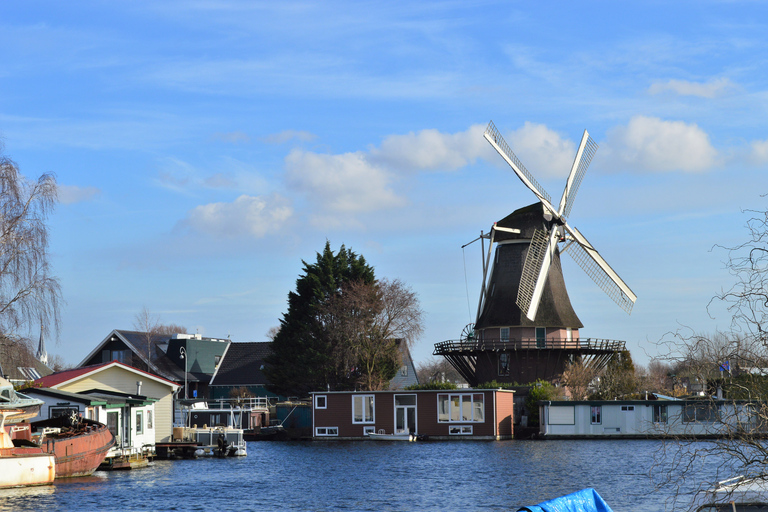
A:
[(79, 444), (20, 466)]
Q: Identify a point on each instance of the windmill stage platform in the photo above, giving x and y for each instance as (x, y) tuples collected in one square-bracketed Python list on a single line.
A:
[(524, 360)]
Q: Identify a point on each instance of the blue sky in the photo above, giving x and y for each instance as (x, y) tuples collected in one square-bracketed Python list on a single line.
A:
[(205, 148)]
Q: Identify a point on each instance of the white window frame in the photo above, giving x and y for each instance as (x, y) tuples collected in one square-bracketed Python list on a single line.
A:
[(460, 430), (139, 422), (369, 430), (317, 401), (474, 418), (363, 399), (626, 408), (326, 431), (596, 419)]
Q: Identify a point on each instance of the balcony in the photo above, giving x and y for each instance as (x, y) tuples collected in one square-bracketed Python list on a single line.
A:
[(589, 345)]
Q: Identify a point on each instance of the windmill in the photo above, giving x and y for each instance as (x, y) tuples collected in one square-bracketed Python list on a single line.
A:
[(544, 241), (526, 328)]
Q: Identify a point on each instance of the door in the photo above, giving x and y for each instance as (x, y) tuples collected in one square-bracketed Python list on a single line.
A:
[(405, 414)]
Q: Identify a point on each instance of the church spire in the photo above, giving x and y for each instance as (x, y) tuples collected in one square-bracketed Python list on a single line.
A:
[(42, 355)]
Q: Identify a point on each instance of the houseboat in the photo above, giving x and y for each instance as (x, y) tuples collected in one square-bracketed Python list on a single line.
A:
[(690, 418), (214, 431), (445, 414)]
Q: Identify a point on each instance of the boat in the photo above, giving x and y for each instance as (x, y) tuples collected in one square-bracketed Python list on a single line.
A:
[(79, 444), (21, 465), (400, 436), (738, 494), (223, 437)]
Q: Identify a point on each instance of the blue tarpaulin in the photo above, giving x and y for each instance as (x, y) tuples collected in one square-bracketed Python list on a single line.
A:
[(585, 500)]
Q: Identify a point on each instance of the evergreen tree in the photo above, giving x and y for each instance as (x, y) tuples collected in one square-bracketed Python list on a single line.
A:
[(302, 358)]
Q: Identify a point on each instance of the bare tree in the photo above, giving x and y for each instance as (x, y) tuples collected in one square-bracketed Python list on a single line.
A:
[(729, 373), (152, 331), (577, 378), (365, 324), (438, 370), (29, 294)]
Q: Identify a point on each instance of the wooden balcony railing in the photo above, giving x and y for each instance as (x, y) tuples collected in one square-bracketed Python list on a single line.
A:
[(471, 345)]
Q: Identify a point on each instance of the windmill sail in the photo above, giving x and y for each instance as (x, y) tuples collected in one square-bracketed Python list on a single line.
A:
[(543, 242)]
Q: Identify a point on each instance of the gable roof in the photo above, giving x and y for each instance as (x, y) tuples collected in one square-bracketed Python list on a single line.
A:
[(18, 363), (64, 395), (68, 376), (242, 364)]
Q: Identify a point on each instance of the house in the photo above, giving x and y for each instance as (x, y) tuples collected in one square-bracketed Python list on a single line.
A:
[(406, 374), (18, 364), (643, 418), (241, 367), (115, 377), (439, 414), (164, 355), (129, 417)]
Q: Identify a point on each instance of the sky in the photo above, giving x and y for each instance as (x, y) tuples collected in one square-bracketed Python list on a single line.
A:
[(203, 149)]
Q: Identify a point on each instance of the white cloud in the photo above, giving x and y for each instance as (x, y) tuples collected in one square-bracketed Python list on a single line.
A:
[(759, 153), (432, 150), (710, 89), (70, 194), (652, 144), (542, 150), (246, 216), (287, 135), (343, 184)]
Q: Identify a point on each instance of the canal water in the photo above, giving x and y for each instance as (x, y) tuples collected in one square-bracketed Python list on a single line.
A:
[(371, 476)]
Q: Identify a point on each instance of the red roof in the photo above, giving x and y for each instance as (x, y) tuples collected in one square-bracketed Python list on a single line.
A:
[(55, 379)]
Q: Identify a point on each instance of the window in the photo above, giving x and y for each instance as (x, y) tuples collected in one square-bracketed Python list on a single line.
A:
[(55, 412), (321, 402), (362, 409), (505, 334), (326, 431), (139, 422), (112, 423), (404, 371), (503, 363), (149, 419), (701, 413), (460, 430), (369, 430), (541, 337), (659, 413), (596, 414), (627, 407), (461, 407)]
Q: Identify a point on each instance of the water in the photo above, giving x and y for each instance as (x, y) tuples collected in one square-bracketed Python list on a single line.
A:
[(368, 476)]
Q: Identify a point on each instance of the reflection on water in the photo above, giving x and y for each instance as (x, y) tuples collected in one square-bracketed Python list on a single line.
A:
[(354, 476)]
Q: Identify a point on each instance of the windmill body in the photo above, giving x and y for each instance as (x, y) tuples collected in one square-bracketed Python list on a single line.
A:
[(526, 328)]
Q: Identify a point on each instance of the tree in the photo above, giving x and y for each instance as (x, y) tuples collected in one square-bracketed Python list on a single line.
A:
[(152, 331), (438, 370), (577, 377), (617, 380), (540, 390), (367, 323), (302, 358), (29, 294), (730, 365)]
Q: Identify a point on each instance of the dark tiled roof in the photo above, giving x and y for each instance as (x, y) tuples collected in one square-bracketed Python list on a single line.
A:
[(16, 360), (242, 365)]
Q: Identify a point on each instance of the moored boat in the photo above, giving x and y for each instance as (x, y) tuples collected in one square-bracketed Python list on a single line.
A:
[(20, 466), (79, 444), (400, 436)]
